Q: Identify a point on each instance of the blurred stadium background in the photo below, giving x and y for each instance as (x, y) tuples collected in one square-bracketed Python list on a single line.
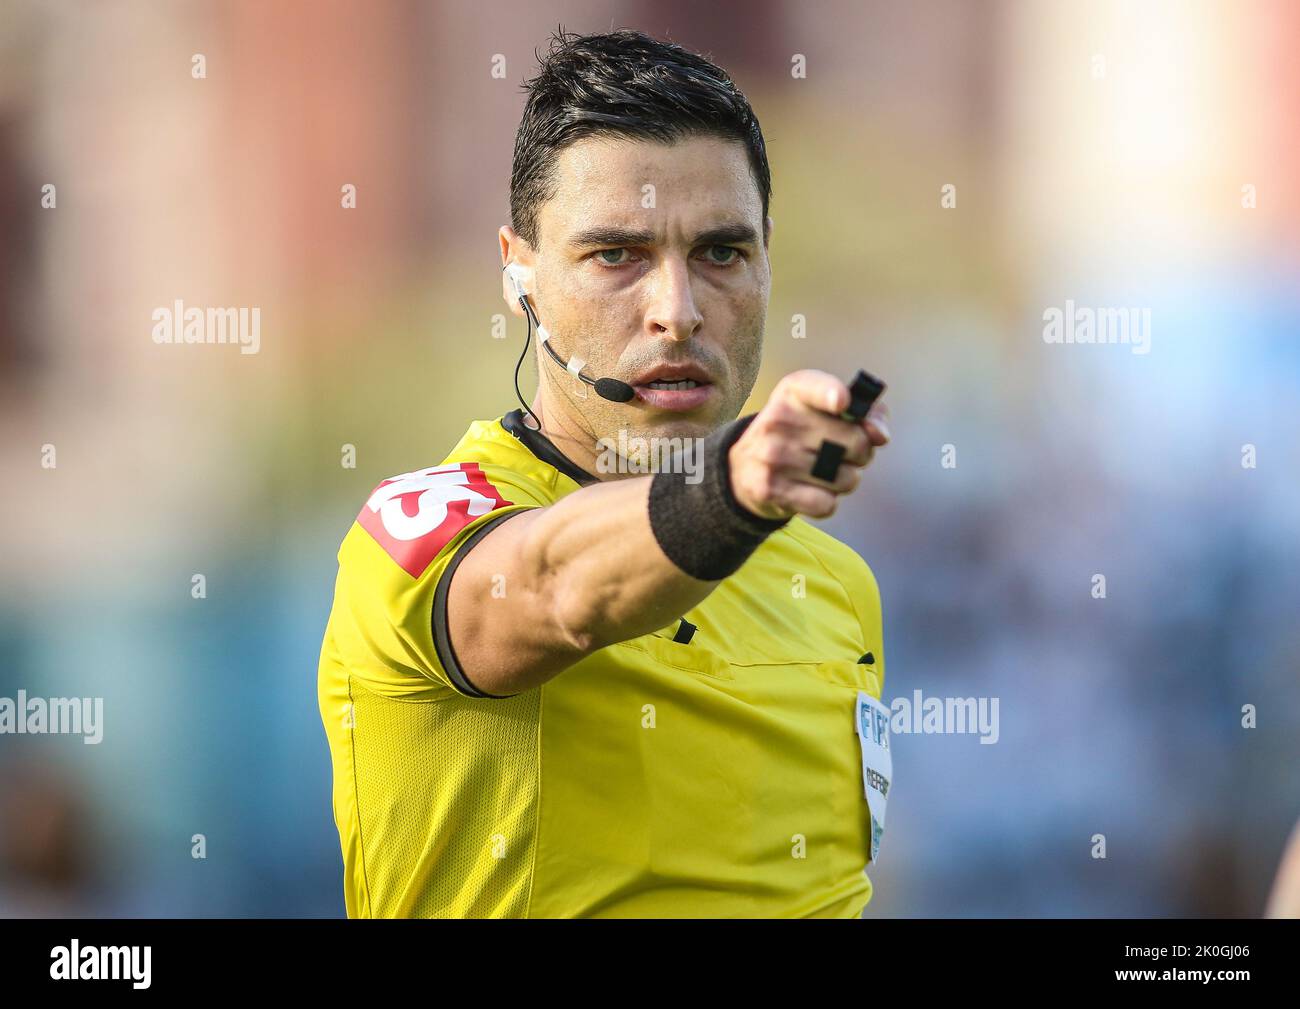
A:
[(1120, 188)]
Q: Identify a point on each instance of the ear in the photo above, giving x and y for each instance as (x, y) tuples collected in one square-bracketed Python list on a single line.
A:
[(516, 281), (516, 259)]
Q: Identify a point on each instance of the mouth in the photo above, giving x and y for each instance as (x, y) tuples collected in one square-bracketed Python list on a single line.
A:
[(674, 388)]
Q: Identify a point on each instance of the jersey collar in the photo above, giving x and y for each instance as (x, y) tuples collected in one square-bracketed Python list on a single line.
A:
[(545, 450)]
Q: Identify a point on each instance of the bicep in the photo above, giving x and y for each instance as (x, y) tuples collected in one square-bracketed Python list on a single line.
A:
[(495, 619)]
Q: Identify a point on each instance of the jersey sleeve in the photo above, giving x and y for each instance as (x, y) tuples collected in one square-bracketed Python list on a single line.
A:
[(388, 624)]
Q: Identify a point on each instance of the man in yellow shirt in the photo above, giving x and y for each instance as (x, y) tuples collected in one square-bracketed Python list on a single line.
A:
[(596, 662)]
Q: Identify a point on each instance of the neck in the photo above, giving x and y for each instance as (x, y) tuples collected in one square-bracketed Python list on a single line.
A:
[(568, 433)]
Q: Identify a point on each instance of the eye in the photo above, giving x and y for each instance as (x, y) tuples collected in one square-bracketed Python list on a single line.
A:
[(608, 262), (730, 255)]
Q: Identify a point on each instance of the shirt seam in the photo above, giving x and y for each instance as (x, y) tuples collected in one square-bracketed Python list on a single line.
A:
[(356, 797), (674, 665), (537, 805)]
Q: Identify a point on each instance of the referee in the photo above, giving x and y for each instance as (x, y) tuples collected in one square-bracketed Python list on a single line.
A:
[(596, 662)]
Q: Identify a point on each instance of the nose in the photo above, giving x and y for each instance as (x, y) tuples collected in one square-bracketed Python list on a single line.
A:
[(673, 312)]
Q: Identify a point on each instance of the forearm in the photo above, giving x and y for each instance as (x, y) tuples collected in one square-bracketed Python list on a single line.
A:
[(603, 568)]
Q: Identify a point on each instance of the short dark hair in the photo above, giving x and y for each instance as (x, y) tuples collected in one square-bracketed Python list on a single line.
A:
[(623, 83)]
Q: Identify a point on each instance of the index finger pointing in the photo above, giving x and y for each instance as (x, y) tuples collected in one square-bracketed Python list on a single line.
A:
[(818, 390)]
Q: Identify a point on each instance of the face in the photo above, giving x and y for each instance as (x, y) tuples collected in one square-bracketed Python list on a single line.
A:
[(650, 255)]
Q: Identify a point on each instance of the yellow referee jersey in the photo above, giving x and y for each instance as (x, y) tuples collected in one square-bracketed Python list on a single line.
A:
[(711, 768)]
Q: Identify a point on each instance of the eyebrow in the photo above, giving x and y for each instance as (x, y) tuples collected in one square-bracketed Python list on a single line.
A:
[(722, 234)]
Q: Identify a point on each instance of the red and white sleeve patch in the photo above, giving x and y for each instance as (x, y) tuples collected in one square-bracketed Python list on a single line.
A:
[(415, 515)]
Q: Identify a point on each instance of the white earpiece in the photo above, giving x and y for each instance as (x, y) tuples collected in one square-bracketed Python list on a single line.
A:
[(516, 274)]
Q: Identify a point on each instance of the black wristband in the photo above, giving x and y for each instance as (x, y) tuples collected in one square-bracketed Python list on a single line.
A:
[(701, 527)]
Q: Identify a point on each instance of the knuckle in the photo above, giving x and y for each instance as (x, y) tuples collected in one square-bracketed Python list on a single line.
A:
[(780, 409), (770, 452), (785, 387), (760, 484)]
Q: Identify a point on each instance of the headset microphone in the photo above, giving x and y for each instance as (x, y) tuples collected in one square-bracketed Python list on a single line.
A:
[(606, 388)]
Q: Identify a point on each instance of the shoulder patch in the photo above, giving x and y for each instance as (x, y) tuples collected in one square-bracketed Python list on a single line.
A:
[(415, 515)]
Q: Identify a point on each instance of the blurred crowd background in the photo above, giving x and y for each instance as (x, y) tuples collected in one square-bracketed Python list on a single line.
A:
[(1100, 153)]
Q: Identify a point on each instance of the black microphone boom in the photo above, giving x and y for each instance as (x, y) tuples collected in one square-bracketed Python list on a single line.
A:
[(606, 388)]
